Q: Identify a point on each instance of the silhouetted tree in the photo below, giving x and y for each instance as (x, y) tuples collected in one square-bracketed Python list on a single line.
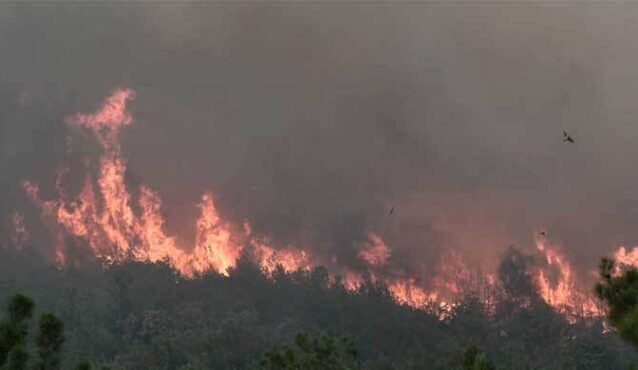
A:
[(49, 341), (469, 357), (322, 353), (154, 318), (483, 363), (519, 289), (620, 295), (20, 308), (84, 365), (473, 360), (18, 358), (14, 330)]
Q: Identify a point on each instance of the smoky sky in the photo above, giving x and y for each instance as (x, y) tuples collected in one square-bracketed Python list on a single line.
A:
[(311, 120)]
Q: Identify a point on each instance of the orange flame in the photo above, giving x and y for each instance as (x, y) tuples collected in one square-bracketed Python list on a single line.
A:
[(118, 226), (215, 247), (374, 251), (106, 122), (115, 231), (623, 257), (562, 292), (407, 291)]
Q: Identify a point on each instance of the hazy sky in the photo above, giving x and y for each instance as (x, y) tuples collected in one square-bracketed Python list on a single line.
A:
[(453, 113)]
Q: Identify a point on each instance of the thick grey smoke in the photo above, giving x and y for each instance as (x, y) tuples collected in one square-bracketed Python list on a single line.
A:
[(312, 120)]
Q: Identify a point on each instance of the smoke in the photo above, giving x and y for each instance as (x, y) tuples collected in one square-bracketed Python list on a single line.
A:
[(312, 120)]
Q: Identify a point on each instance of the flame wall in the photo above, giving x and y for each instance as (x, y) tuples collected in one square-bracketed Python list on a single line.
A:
[(107, 221), (309, 121)]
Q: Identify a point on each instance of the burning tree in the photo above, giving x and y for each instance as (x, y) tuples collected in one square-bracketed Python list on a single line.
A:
[(116, 222)]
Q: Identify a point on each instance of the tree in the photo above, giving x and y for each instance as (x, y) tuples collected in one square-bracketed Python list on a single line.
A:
[(483, 363), (84, 365), (322, 353), (14, 330), (619, 292), (469, 357), (49, 341), (20, 308), (473, 360), (228, 322), (18, 358)]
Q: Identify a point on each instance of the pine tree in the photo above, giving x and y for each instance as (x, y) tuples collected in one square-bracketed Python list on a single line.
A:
[(14, 330), (620, 295), (49, 341)]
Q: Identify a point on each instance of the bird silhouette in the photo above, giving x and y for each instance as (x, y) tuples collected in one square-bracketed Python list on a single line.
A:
[(567, 138), (391, 210), (542, 233)]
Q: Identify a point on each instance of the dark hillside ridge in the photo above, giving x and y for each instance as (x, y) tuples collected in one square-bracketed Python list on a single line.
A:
[(143, 315)]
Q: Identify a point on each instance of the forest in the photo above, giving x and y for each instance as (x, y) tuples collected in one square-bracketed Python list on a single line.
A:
[(150, 150), (140, 315)]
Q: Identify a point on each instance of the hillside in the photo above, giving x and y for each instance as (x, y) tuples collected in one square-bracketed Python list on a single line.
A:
[(144, 315)]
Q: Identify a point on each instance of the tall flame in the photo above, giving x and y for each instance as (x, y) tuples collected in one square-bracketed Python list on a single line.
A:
[(562, 292), (114, 230), (627, 258), (117, 225), (374, 251), (215, 247)]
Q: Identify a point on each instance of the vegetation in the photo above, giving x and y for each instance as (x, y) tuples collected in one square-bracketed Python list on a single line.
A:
[(142, 315), (473, 360), (318, 353), (14, 332), (620, 294)]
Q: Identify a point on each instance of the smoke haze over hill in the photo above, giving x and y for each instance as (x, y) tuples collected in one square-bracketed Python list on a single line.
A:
[(312, 120)]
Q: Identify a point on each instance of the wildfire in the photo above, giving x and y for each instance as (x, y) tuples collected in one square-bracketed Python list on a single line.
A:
[(626, 258), (290, 259), (374, 251), (114, 230), (409, 292), (562, 292), (117, 225), (105, 123), (215, 245)]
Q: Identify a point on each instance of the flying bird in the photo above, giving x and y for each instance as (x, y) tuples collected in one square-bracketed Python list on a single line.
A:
[(567, 138), (391, 210), (542, 233)]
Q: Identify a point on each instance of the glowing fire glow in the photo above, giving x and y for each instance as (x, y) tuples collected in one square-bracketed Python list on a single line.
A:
[(117, 225), (107, 221), (623, 257), (374, 252), (562, 292)]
